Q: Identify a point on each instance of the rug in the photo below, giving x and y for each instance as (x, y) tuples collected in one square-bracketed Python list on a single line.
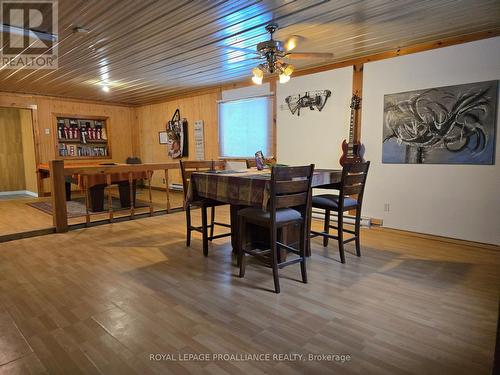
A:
[(76, 207)]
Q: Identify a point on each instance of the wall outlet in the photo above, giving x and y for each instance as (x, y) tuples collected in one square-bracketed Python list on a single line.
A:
[(47, 131), (387, 207)]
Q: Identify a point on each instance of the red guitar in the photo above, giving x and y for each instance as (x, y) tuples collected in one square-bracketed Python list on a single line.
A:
[(352, 151)]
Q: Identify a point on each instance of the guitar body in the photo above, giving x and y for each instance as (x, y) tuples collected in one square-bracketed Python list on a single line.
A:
[(353, 156), (352, 152)]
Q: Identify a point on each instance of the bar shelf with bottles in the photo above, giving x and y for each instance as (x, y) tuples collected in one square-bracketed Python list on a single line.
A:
[(82, 138)]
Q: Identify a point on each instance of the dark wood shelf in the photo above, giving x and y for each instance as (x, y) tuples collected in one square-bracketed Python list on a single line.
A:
[(99, 141), (63, 140)]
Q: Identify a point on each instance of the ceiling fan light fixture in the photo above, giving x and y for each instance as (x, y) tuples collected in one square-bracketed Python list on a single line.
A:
[(291, 43), (287, 69), (257, 80), (258, 75), (284, 78)]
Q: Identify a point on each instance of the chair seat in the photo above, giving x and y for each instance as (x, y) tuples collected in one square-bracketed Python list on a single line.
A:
[(331, 201), (283, 215)]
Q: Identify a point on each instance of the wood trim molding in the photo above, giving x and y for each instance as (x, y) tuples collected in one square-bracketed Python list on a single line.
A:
[(31, 97)]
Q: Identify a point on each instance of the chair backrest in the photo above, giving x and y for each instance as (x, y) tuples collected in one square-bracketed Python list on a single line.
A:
[(188, 167), (133, 160), (353, 180), (251, 163), (291, 187)]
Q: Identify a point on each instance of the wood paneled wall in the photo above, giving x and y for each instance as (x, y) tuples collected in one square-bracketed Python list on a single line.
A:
[(121, 122), (151, 119), (11, 151), (121, 119)]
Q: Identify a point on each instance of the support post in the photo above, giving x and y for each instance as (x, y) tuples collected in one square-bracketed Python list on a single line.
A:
[(150, 176), (58, 190), (131, 194), (166, 189), (110, 198), (357, 88)]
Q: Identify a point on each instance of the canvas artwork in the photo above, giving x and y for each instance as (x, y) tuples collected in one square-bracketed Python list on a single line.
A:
[(443, 125)]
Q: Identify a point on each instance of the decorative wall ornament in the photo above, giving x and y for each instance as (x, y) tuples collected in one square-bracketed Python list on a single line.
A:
[(312, 99), (443, 125), (177, 136), (199, 140)]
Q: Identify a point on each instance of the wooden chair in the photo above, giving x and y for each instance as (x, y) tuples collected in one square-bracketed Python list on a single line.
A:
[(352, 183), (289, 200), (187, 168), (251, 163)]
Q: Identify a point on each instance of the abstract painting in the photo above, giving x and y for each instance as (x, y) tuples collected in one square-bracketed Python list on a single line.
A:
[(442, 125)]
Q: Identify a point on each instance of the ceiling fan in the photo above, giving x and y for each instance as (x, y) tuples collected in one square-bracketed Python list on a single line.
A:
[(272, 53)]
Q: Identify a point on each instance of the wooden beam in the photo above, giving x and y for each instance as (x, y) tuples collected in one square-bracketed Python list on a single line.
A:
[(357, 88), (57, 179), (273, 87)]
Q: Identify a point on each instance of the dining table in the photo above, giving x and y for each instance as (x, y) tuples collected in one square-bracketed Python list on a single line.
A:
[(250, 188)]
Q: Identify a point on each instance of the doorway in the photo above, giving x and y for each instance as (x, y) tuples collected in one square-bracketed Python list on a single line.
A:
[(17, 154), (18, 177)]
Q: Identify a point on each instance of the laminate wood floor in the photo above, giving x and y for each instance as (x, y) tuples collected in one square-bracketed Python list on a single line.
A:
[(17, 216), (102, 300)]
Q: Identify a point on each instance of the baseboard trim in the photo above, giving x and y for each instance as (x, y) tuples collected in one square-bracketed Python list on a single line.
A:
[(375, 223), (436, 237), (15, 192)]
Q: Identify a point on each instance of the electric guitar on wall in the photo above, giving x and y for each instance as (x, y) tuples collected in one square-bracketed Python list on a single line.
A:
[(352, 151)]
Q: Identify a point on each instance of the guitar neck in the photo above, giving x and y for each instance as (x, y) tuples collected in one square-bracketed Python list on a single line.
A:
[(351, 127)]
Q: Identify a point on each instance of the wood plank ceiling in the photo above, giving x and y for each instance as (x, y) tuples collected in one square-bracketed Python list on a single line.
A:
[(148, 50)]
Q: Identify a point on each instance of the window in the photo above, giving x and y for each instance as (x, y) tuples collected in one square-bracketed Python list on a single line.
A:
[(245, 127)]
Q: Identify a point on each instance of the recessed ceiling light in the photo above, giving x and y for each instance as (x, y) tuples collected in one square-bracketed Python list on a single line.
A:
[(105, 88), (80, 30)]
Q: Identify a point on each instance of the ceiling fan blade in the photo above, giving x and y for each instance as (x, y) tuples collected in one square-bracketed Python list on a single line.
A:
[(308, 55), (292, 41), (246, 50)]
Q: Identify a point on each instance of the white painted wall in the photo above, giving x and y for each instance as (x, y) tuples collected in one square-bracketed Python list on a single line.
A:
[(314, 136), (459, 201)]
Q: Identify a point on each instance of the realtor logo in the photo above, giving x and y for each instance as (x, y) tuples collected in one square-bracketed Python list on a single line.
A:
[(29, 34)]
